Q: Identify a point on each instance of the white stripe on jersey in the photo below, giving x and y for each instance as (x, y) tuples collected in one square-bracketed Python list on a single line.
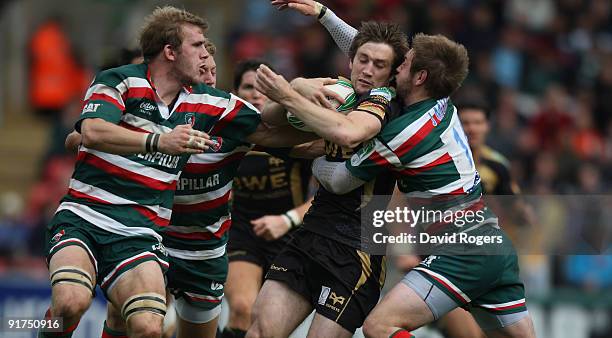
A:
[(144, 124), (194, 229), (134, 167), (106, 90), (204, 297), (205, 197), (132, 82), (447, 282), (104, 195), (212, 100), (106, 223), (200, 255), (232, 104), (414, 127), (212, 158), (496, 306)]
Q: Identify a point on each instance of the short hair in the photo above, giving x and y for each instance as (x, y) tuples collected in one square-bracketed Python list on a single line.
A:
[(210, 47), (382, 32), (245, 66), (445, 61), (164, 27)]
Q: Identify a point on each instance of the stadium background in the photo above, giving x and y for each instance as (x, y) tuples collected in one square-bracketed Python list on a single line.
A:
[(544, 67)]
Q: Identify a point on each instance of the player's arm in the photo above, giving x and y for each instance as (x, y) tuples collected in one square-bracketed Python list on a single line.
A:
[(271, 227), (342, 33), (108, 137), (310, 150), (345, 130), (275, 114), (276, 137)]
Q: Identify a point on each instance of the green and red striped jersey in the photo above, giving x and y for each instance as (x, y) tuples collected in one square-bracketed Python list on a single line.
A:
[(133, 194)]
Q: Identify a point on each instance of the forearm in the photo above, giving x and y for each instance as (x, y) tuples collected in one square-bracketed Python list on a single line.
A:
[(310, 150), (342, 33), (107, 137), (277, 137), (295, 216), (327, 123), (274, 114), (334, 176)]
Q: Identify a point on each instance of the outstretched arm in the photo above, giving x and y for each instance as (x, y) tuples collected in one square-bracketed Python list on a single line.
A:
[(342, 33), (345, 130)]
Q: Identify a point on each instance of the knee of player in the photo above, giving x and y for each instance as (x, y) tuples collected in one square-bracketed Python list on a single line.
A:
[(241, 307), (70, 305), (145, 325), (373, 327)]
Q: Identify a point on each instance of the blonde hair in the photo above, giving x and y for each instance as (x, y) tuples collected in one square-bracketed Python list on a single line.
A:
[(163, 27)]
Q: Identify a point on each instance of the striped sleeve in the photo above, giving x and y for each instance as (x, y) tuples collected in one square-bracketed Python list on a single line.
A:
[(103, 99), (371, 160), (238, 121)]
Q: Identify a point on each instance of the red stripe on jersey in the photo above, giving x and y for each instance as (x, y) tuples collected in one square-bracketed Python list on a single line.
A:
[(124, 173), (148, 213), (204, 205), (200, 108), (449, 288), (138, 93), (203, 168), (415, 139), (507, 307), (201, 235), (148, 255), (227, 119), (131, 127), (198, 299), (107, 98), (379, 160), (440, 160)]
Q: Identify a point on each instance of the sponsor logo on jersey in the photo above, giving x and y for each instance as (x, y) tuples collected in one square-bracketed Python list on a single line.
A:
[(91, 108), (214, 286), (427, 261), (190, 119), (324, 294), (363, 153), (57, 236), (216, 145), (147, 107), (336, 299)]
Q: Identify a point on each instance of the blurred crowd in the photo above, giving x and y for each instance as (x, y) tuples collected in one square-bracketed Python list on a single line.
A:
[(544, 68)]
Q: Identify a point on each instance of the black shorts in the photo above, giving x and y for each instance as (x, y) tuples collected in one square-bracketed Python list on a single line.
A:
[(342, 283), (244, 245)]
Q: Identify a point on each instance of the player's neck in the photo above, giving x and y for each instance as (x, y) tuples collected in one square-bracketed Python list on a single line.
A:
[(164, 81), (417, 95)]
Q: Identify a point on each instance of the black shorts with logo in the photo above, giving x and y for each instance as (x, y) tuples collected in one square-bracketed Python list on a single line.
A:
[(342, 283)]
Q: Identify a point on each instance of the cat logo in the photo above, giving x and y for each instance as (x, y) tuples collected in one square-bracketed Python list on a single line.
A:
[(217, 142), (91, 108), (337, 299), (190, 118), (366, 150)]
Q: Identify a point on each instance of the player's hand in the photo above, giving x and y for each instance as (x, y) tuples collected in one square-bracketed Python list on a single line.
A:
[(315, 91), (306, 7), (184, 140), (270, 227), (273, 85)]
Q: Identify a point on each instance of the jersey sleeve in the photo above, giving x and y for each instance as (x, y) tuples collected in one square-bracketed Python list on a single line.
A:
[(103, 99), (373, 159), (239, 120), (377, 102)]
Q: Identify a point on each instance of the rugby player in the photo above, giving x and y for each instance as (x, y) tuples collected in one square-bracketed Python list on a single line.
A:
[(105, 230), (427, 148), (322, 267)]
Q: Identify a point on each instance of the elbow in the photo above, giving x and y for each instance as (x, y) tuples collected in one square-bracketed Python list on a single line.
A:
[(347, 139)]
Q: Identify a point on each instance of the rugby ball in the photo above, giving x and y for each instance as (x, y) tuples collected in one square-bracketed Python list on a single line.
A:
[(344, 88)]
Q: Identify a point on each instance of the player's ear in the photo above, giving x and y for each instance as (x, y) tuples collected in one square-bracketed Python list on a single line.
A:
[(169, 53), (351, 64), (421, 77)]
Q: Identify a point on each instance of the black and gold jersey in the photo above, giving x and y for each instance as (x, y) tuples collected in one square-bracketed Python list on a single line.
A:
[(494, 171)]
